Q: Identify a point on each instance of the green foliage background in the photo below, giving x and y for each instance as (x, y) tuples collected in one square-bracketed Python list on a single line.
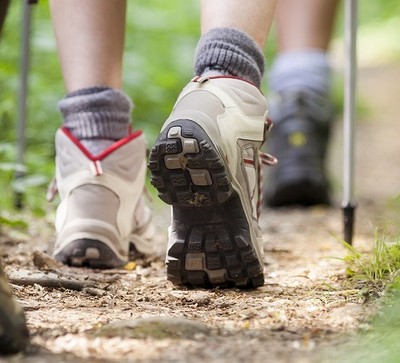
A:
[(160, 41)]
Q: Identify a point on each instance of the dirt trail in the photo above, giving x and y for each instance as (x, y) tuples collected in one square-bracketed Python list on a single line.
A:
[(305, 303)]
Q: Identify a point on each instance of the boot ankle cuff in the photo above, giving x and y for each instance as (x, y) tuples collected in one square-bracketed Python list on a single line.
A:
[(97, 113), (229, 51)]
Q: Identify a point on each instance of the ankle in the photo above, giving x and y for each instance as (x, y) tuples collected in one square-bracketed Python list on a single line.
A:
[(97, 116), (229, 52), (305, 70)]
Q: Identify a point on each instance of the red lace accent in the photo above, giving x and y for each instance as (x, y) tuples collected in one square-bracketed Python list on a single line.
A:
[(264, 159)]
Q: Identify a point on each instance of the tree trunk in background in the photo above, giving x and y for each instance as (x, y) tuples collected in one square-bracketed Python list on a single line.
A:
[(3, 12)]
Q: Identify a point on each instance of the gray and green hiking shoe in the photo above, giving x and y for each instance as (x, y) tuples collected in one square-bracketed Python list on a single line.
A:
[(206, 164), (299, 141)]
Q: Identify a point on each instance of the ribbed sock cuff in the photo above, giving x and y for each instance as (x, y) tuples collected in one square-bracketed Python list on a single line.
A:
[(97, 113), (228, 51)]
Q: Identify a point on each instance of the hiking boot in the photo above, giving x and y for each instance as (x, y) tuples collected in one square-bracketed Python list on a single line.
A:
[(102, 216), (14, 335), (299, 141), (205, 163)]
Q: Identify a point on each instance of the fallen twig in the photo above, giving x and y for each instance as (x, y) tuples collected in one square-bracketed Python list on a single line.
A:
[(52, 280)]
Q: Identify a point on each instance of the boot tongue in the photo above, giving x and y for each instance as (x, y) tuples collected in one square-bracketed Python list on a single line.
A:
[(96, 146)]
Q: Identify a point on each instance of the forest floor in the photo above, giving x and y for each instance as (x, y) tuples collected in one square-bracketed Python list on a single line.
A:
[(305, 309)]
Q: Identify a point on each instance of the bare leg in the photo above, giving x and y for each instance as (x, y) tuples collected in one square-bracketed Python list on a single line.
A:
[(95, 226), (253, 18), (305, 24), (233, 35), (304, 32), (302, 113), (90, 38)]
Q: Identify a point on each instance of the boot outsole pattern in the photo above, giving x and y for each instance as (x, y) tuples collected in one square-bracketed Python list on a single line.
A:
[(211, 244), (89, 253)]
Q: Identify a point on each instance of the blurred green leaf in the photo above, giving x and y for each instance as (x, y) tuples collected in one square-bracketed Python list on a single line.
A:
[(14, 223)]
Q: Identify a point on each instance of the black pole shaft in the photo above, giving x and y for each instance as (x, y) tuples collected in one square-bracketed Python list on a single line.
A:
[(348, 218)]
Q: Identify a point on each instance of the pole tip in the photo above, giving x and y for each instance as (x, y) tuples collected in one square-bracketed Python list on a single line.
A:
[(348, 215)]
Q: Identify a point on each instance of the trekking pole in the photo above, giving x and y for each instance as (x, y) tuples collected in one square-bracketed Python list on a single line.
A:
[(350, 69), (22, 97)]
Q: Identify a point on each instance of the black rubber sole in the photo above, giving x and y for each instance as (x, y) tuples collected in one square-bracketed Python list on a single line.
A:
[(89, 253), (299, 179), (304, 193), (211, 244)]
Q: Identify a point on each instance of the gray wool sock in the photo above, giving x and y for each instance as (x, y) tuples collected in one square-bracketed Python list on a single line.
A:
[(301, 77), (97, 116), (229, 52), (306, 70)]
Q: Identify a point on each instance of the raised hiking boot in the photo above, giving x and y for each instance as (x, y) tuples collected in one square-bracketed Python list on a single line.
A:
[(299, 141), (206, 164), (102, 217), (14, 335)]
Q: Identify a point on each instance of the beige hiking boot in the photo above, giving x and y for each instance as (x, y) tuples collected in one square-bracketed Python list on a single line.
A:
[(102, 216), (206, 164)]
